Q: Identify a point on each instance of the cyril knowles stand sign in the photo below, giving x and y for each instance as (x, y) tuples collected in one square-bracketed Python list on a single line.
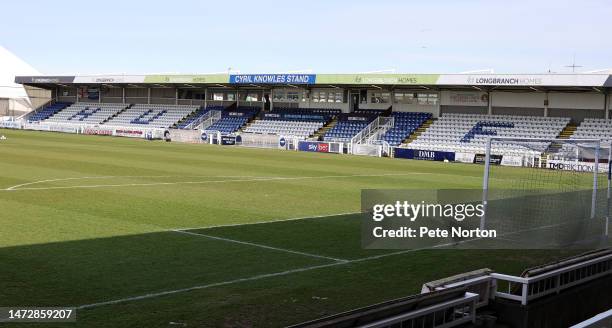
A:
[(273, 79)]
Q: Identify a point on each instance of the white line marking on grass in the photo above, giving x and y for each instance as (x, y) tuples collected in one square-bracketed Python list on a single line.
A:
[(15, 187), (217, 181), (263, 222), (53, 180), (276, 274), (217, 284), (260, 245), (252, 278)]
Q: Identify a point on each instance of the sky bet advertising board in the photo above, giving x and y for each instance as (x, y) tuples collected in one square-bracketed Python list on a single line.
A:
[(319, 147)]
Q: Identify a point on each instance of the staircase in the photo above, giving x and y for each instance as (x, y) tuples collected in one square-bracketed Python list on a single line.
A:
[(568, 131), (322, 131), (419, 131), (554, 147)]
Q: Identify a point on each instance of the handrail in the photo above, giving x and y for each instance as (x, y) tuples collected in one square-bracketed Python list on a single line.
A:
[(387, 124), (463, 311), (379, 123), (562, 279), (198, 123)]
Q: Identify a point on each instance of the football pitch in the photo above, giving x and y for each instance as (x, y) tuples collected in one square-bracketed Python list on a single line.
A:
[(152, 234)]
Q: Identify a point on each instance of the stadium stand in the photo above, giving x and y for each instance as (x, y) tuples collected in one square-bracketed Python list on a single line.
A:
[(300, 123), (469, 132), (152, 115), (404, 124), (87, 113), (234, 119), (348, 126), (594, 128), (300, 129), (47, 111)]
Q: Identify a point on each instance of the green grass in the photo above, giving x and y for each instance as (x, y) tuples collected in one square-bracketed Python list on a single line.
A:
[(78, 241)]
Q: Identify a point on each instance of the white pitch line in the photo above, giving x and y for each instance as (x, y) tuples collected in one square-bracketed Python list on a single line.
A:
[(276, 274), (217, 284), (264, 222), (252, 278), (54, 180), (126, 176), (260, 246), (216, 181)]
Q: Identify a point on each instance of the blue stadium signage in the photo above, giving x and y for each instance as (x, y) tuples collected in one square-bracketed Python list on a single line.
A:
[(273, 79)]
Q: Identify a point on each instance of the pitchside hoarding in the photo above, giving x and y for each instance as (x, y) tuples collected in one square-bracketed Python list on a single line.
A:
[(426, 155), (576, 166), (319, 147)]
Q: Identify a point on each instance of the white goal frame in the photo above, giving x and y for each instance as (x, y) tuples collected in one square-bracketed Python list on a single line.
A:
[(598, 147)]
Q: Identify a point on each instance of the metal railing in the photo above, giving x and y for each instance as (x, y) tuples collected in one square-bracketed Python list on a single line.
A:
[(370, 130), (447, 314), (524, 289), (380, 122), (483, 286), (199, 123), (384, 126)]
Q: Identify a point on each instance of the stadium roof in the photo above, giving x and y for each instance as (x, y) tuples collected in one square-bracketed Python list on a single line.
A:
[(534, 82)]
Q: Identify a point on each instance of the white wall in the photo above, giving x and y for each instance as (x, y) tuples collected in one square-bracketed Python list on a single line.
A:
[(463, 98), (518, 99), (433, 109), (375, 106), (591, 100), (327, 105)]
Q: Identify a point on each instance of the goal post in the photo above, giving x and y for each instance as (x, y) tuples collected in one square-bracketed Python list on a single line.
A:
[(562, 180)]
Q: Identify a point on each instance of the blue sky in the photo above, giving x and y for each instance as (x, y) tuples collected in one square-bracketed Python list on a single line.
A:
[(186, 36)]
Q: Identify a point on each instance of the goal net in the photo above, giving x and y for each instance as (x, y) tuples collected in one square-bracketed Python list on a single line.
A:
[(547, 193)]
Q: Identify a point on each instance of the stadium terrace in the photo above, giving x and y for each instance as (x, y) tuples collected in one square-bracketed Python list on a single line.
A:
[(436, 117)]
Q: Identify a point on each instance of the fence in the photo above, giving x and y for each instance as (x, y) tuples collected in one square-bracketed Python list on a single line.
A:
[(524, 289)]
